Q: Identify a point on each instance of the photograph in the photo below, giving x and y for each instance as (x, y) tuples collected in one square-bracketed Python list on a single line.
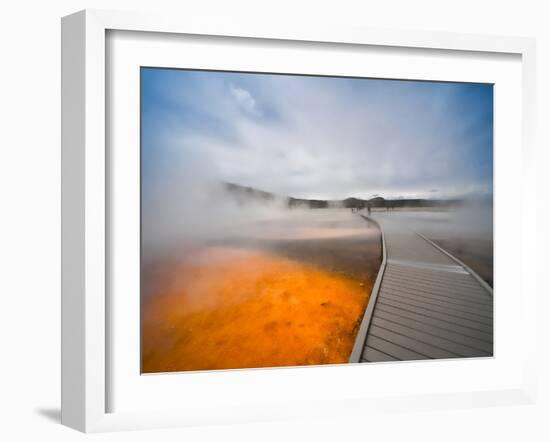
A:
[(302, 220)]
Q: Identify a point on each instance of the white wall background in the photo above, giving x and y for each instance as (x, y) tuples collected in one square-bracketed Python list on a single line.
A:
[(30, 220)]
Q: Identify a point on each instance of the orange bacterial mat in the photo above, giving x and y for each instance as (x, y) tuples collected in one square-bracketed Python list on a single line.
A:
[(236, 308)]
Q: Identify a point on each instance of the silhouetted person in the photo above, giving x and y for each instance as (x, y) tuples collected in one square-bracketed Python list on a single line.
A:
[(368, 208)]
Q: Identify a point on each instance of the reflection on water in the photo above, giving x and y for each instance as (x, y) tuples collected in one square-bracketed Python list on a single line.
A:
[(279, 298)]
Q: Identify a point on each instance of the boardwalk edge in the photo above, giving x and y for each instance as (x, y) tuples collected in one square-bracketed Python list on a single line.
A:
[(359, 344), (478, 278)]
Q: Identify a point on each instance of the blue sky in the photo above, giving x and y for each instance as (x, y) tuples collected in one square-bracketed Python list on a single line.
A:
[(316, 137)]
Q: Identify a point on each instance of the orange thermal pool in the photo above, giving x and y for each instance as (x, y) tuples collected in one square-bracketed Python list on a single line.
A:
[(237, 308)]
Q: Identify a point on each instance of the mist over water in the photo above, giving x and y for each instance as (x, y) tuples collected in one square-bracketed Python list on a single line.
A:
[(173, 221), (305, 137), (471, 219), (195, 210)]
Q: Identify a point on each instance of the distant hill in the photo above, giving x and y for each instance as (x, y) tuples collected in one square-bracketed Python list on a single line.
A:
[(312, 204), (244, 194)]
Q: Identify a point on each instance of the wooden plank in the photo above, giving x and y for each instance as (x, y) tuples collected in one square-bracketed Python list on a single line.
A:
[(416, 296), (441, 264), (394, 350), (409, 252), (413, 255), (432, 269), (434, 308), (450, 335), (410, 343), (436, 277), (475, 294), (445, 317), (372, 355), (427, 287), (441, 296), (432, 336), (468, 290), (477, 335), (403, 285)]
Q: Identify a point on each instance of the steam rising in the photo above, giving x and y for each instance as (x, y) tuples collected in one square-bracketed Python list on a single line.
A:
[(204, 211), (306, 137)]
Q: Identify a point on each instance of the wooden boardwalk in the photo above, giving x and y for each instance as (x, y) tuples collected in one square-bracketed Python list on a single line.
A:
[(425, 303)]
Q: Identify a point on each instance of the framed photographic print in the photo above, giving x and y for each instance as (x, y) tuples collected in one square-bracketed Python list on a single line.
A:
[(262, 223)]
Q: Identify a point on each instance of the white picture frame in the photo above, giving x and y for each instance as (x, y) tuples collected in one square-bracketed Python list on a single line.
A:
[(86, 202)]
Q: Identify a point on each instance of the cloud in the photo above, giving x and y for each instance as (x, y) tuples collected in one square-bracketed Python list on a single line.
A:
[(318, 137), (244, 100)]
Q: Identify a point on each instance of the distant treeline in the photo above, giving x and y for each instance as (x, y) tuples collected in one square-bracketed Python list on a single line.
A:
[(378, 202), (243, 194)]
